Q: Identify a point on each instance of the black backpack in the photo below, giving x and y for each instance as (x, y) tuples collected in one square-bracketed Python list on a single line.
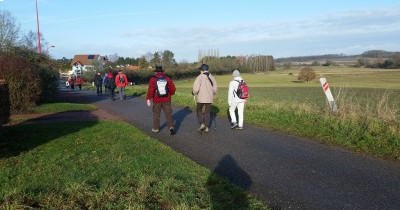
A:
[(161, 86), (121, 78)]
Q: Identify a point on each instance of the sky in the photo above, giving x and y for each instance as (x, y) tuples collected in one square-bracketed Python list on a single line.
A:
[(284, 28)]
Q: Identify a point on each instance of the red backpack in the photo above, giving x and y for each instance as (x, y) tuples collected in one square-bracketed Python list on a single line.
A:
[(243, 90)]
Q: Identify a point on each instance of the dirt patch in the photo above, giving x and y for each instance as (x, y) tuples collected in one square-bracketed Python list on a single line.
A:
[(70, 116)]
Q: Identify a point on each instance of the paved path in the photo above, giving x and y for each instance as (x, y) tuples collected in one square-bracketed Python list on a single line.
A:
[(283, 170)]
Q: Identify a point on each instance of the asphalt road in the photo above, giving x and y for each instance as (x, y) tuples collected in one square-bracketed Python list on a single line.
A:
[(285, 171)]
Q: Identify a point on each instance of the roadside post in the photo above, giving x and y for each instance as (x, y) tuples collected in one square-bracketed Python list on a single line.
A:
[(328, 94)]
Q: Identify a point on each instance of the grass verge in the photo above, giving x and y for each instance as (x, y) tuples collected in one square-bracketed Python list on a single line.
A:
[(63, 107), (367, 121), (104, 165)]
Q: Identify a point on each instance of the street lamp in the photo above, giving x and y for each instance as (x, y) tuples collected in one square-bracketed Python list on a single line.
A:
[(47, 49), (38, 30)]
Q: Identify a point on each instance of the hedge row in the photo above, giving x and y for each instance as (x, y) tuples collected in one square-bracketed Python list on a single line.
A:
[(30, 78)]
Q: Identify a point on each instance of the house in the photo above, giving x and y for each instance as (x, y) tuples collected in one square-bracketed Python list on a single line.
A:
[(131, 67), (82, 63)]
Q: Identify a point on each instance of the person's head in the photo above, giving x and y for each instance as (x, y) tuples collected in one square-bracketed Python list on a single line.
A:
[(159, 68), (204, 67), (236, 73), (119, 70)]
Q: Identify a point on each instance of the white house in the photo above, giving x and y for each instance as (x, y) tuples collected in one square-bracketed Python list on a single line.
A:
[(82, 63)]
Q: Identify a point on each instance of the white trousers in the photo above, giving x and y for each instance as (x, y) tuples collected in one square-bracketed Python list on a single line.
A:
[(240, 107)]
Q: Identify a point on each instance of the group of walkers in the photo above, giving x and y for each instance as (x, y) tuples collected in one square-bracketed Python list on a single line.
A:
[(161, 88), (72, 81), (111, 81)]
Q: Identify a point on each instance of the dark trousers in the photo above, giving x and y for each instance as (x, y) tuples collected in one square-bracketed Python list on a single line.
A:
[(203, 113), (166, 107), (111, 91), (99, 89)]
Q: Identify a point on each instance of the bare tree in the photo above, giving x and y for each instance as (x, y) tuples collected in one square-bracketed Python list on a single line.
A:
[(8, 31), (113, 57), (29, 40)]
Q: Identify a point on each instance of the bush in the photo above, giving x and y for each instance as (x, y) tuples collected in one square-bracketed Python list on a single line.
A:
[(23, 82), (306, 74), (30, 78)]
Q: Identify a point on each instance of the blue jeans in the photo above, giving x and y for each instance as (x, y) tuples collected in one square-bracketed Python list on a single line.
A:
[(121, 93)]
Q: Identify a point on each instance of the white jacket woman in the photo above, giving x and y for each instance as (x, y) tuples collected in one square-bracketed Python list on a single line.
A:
[(235, 102)]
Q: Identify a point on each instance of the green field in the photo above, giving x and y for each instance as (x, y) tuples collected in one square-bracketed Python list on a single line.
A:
[(368, 102)]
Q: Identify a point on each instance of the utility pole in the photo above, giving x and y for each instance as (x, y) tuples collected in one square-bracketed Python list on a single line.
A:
[(38, 30)]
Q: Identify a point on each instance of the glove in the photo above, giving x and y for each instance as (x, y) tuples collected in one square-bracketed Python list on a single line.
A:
[(148, 102)]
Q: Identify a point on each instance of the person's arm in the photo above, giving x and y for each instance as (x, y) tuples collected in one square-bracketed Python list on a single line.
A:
[(126, 80), (215, 86), (231, 92), (196, 86), (171, 87), (150, 89)]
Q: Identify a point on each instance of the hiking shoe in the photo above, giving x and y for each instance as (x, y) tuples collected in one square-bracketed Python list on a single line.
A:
[(202, 127), (172, 131), (206, 130), (239, 128), (234, 125), (154, 130)]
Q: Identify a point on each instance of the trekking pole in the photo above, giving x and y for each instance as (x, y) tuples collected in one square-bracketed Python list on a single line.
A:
[(215, 121)]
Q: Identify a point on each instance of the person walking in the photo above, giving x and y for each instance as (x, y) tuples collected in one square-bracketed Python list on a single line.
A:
[(204, 90), (235, 101), (105, 79), (110, 84), (98, 81), (160, 90), (121, 81), (71, 81), (79, 82)]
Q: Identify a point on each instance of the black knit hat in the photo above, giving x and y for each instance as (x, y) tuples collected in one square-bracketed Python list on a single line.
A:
[(204, 67), (159, 68)]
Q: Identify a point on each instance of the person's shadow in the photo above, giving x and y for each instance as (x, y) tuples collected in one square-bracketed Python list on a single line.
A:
[(180, 115), (213, 116), (230, 192), (178, 118)]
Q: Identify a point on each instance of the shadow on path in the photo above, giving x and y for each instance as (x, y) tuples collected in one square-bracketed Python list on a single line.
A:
[(32, 133), (180, 115), (223, 194)]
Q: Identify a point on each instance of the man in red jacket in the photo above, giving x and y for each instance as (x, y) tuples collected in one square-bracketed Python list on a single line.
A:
[(160, 90), (121, 81)]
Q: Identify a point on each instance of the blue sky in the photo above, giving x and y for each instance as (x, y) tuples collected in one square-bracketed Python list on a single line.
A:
[(280, 28)]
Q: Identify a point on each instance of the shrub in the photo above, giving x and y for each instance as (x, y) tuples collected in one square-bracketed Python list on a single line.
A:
[(306, 74), (30, 78), (23, 82)]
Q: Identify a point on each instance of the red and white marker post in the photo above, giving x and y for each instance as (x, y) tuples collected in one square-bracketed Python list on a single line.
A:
[(328, 93)]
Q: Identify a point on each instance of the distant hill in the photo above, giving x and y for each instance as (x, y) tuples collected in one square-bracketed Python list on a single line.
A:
[(378, 54), (337, 57)]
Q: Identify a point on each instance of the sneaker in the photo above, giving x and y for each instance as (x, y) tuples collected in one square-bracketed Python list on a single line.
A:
[(234, 125), (172, 131), (154, 130), (202, 127), (206, 130), (239, 128)]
